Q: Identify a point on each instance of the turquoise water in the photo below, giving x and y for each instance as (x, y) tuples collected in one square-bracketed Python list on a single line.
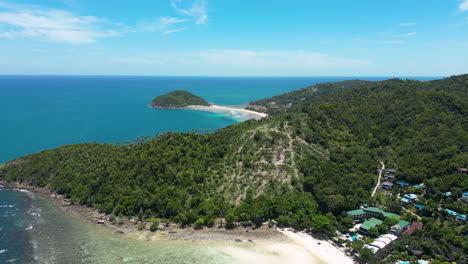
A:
[(43, 112)]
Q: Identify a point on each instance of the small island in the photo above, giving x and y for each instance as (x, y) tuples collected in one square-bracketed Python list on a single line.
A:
[(178, 99)]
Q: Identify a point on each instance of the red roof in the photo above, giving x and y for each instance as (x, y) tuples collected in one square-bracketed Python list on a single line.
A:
[(463, 169), (414, 226)]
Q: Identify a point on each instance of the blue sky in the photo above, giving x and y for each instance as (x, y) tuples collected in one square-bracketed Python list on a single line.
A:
[(235, 37)]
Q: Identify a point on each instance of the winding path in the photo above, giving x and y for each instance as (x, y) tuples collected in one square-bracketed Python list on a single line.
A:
[(378, 180)]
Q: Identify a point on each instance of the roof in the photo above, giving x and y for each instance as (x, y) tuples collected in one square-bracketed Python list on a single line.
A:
[(418, 186), (389, 176), (374, 210), (414, 226), (373, 222), (387, 183), (451, 212), (419, 206), (401, 224), (461, 217), (465, 193), (390, 170), (405, 200), (355, 212), (411, 196), (386, 214), (402, 183), (447, 193), (463, 169)]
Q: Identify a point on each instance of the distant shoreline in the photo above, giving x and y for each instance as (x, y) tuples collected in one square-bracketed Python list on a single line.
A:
[(219, 109)]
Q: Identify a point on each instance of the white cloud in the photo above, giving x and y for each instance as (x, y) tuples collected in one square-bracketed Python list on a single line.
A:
[(161, 24), (51, 24), (170, 31), (406, 35), (390, 42), (197, 11), (463, 6), (123, 60), (407, 24)]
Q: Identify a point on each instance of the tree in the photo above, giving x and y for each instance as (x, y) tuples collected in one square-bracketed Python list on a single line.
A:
[(155, 225)]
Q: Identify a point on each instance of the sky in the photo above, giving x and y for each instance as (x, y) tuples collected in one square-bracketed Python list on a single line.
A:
[(234, 37)]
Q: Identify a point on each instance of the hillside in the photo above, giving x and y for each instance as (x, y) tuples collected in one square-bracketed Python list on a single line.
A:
[(177, 99), (303, 168)]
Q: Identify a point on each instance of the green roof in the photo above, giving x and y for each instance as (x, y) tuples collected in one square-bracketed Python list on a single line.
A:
[(386, 214), (374, 210), (373, 222), (402, 224), (356, 212)]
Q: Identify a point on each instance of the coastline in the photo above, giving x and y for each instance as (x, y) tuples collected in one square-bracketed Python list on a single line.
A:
[(285, 243), (243, 114)]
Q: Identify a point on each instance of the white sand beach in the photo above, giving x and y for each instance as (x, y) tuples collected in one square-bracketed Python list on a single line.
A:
[(239, 113), (325, 250)]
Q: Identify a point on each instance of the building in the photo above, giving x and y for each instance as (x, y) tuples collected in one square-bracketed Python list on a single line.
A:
[(405, 201), (451, 212), (411, 196), (419, 207), (381, 242), (368, 224), (356, 214), (386, 185), (387, 215), (390, 171), (447, 194), (402, 184), (464, 197), (415, 225), (462, 218), (463, 170), (400, 227), (418, 186), (389, 176), (372, 211)]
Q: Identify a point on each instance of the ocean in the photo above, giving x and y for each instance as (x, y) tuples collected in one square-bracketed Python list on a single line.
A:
[(44, 112)]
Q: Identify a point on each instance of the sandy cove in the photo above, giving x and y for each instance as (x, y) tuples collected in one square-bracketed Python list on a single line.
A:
[(289, 246)]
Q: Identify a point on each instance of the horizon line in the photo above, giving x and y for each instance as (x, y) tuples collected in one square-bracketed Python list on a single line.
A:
[(228, 76)]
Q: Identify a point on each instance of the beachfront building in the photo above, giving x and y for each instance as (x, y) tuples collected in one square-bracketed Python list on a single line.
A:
[(400, 227), (368, 224), (381, 242), (356, 214), (415, 225)]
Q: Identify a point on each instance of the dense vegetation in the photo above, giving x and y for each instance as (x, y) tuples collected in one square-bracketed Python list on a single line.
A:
[(176, 99), (303, 167)]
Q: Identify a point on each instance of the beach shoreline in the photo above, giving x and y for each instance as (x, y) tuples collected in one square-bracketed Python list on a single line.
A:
[(244, 114), (288, 243)]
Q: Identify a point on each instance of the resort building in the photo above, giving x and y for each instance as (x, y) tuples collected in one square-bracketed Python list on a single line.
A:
[(368, 224), (462, 218), (413, 197), (386, 185), (447, 194), (387, 215), (389, 176), (463, 170), (356, 214), (402, 184), (464, 197), (412, 229), (400, 227), (390, 171), (381, 242), (451, 212)]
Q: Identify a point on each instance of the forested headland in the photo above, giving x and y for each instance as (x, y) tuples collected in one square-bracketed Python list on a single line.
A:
[(303, 166)]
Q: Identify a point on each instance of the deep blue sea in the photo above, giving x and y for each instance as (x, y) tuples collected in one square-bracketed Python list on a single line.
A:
[(43, 112)]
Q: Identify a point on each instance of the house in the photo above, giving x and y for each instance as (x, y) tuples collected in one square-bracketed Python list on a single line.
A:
[(451, 212), (386, 185), (400, 227), (419, 207), (389, 177), (447, 194), (406, 201), (368, 224), (462, 218), (390, 171), (381, 242), (463, 170), (418, 186), (356, 214), (464, 197), (413, 197), (402, 184), (412, 229)]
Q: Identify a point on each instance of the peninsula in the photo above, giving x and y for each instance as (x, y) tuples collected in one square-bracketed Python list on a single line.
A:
[(180, 99)]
